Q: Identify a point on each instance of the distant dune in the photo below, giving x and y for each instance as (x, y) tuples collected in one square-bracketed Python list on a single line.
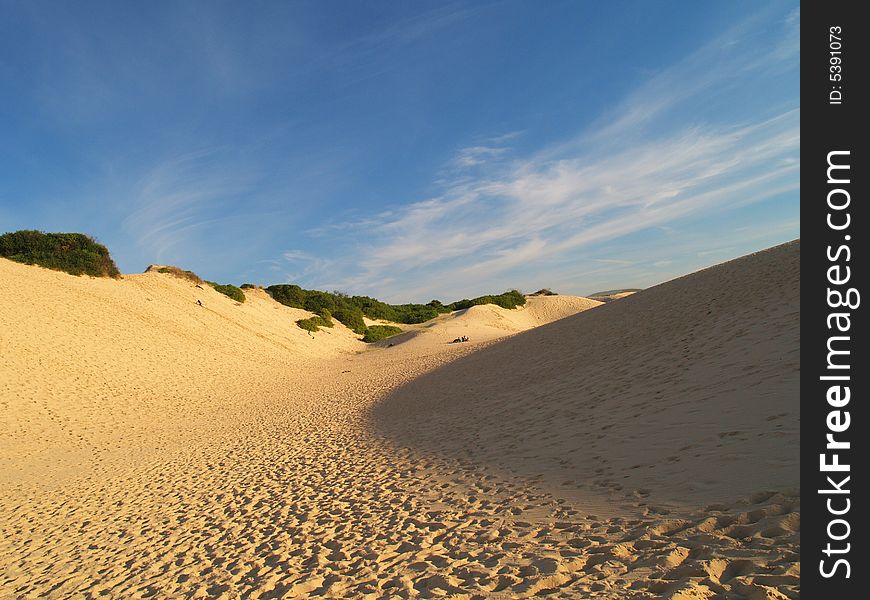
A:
[(151, 446), (488, 322)]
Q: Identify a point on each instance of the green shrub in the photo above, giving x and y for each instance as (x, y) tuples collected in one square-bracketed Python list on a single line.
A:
[(439, 306), (317, 301), (350, 310), (325, 318), (371, 307), (288, 295), (414, 313), (231, 291), (376, 333), (73, 253), (314, 323), (510, 299), (248, 286), (309, 324), (397, 313), (352, 318)]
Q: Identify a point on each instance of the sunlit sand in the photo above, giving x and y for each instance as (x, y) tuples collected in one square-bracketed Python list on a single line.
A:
[(644, 448)]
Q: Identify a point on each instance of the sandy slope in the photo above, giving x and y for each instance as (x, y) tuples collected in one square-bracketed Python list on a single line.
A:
[(624, 395), (96, 366), (150, 447)]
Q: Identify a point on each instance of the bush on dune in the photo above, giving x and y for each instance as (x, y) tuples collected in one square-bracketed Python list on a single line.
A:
[(376, 333), (439, 306), (397, 313), (371, 307), (229, 290), (288, 295), (511, 299), (312, 324), (414, 313), (73, 253), (350, 310), (309, 324), (317, 301), (325, 318), (352, 318)]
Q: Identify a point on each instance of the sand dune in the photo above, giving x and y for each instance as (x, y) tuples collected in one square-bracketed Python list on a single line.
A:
[(84, 357), (676, 390), (681, 397), (150, 447), (487, 322)]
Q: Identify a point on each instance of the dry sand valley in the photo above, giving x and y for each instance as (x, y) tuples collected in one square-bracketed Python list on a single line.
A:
[(643, 448)]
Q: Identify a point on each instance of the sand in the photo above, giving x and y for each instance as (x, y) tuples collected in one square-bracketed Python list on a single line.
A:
[(150, 447), (483, 323)]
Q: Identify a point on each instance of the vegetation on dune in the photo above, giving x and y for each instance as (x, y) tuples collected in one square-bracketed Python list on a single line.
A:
[(345, 309), (312, 324), (397, 313), (352, 318), (350, 310), (189, 275), (80, 254), (229, 290), (511, 299), (376, 333), (316, 301), (325, 317), (438, 306), (73, 253), (288, 295)]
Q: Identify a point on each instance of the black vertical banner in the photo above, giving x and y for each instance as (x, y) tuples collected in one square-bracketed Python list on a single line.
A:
[(834, 261)]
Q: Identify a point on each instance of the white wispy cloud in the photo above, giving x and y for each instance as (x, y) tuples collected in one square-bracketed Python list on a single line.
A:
[(541, 210), (297, 265), (635, 169), (182, 194), (485, 151)]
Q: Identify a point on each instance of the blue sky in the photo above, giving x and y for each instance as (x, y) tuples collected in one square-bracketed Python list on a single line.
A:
[(406, 150)]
